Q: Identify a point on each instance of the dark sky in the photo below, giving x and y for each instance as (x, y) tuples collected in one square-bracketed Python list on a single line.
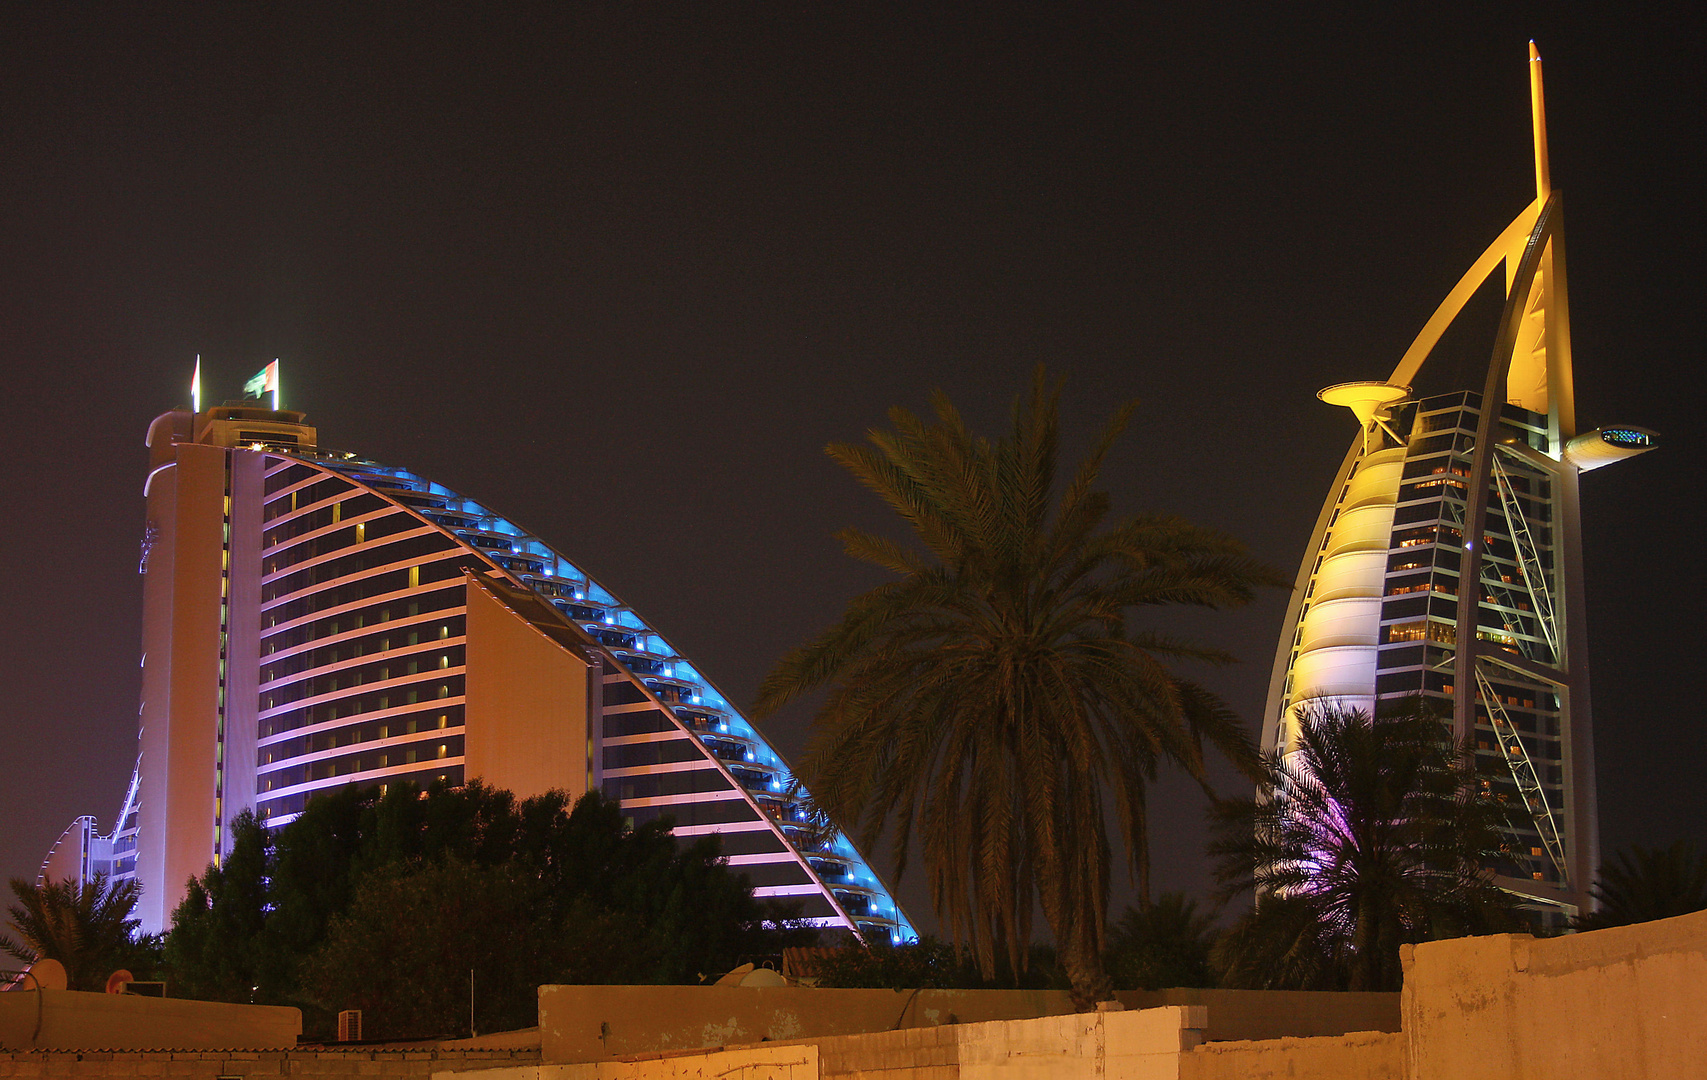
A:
[(621, 271)]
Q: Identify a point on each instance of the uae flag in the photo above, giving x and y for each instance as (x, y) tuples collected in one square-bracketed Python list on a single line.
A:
[(265, 381)]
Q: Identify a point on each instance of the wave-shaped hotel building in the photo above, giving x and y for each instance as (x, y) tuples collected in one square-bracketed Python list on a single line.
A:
[(313, 619), (1447, 559)]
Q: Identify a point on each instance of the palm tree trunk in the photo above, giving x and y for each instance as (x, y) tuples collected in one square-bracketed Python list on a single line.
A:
[(1364, 955), (1068, 910)]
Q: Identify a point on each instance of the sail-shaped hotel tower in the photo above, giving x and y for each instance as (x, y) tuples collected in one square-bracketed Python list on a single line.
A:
[(313, 619), (1447, 558)]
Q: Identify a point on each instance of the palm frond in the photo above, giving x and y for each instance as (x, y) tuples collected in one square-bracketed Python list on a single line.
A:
[(985, 703)]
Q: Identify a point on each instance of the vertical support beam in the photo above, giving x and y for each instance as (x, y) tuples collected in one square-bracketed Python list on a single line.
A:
[(1582, 840), (1538, 125), (1481, 466)]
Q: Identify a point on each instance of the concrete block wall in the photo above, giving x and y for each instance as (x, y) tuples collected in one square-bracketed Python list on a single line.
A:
[(213, 1064), (1626, 1003), (75, 1019), (1364, 1055), (928, 1053), (799, 1062), (599, 1023), (1144, 1045), (1247, 1015), (788, 1062)]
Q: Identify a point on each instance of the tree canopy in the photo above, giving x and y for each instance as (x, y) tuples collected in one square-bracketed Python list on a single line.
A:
[(1370, 835), (88, 928), (1163, 945), (992, 699), (1642, 884), (385, 903)]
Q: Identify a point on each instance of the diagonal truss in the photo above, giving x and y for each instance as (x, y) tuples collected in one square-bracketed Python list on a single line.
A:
[(1523, 772), (1528, 558)]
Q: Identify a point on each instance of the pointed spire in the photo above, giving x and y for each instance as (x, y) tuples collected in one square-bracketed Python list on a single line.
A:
[(1538, 121), (196, 386)]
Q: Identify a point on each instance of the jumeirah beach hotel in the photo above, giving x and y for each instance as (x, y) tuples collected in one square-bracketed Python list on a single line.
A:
[(312, 619)]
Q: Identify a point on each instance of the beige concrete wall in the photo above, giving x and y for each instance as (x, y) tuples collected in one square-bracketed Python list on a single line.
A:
[(76, 1020), (1143, 1045), (921, 1053), (528, 704), (1629, 1002), (790, 1062), (1364, 1055), (1274, 1014), (591, 1023), (211, 1064)]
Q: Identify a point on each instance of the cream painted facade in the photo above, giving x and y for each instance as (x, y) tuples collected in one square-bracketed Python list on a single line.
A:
[(530, 695)]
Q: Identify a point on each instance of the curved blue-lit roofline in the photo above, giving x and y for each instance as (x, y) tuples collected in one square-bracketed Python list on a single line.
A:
[(618, 615)]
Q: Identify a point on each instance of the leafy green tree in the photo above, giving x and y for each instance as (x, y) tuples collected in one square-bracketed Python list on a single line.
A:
[(403, 951), (473, 822), (927, 963), (219, 948), (1163, 945), (1371, 835), (87, 928), (991, 697), (332, 911), (1642, 884), (688, 906), (315, 863)]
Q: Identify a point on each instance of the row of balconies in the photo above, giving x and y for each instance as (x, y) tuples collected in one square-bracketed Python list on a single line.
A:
[(518, 554)]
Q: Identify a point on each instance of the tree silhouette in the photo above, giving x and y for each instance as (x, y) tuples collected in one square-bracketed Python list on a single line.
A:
[(1642, 884), (384, 903), (991, 697), (1162, 945), (86, 928), (1372, 834)]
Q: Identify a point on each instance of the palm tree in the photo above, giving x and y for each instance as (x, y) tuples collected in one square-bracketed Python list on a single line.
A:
[(1372, 834), (87, 928), (1162, 945), (992, 696), (1642, 884)]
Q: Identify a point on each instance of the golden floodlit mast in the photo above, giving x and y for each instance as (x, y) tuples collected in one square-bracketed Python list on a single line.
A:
[(1447, 559)]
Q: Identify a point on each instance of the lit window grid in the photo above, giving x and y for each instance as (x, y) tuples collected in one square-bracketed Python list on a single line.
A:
[(529, 561), (1459, 419)]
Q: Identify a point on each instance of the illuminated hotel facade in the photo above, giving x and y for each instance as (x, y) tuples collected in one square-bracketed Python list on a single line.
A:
[(313, 620), (1447, 559)]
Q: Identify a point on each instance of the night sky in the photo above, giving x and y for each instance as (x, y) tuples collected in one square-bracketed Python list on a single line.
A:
[(621, 272)]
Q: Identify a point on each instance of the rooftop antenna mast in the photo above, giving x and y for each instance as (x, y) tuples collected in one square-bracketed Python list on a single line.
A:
[(1538, 123)]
